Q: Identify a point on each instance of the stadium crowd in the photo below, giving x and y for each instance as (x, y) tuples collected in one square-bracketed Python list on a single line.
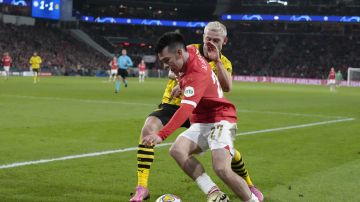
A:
[(307, 55), (260, 53), (60, 52)]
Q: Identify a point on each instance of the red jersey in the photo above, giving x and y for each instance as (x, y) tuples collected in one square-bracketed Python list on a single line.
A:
[(6, 60), (202, 90), (203, 99), (141, 67), (114, 64), (332, 75)]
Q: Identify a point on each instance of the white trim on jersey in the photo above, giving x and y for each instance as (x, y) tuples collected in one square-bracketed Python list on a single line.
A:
[(189, 102)]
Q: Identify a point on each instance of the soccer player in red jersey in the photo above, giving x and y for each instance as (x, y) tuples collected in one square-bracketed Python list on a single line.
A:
[(142, 68), (114, 68), (332, 79), (213, 117), (6, 61)]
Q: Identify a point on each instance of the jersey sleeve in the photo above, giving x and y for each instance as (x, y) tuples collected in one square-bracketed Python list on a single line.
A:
[(130, 63), (194, 86), (227, 64)]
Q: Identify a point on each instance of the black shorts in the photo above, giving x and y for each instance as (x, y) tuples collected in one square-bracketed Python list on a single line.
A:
[(36, 70), (165, 112), (123, 73)]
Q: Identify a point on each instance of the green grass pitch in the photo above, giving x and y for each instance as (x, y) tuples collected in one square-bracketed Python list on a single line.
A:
[(300, 143)]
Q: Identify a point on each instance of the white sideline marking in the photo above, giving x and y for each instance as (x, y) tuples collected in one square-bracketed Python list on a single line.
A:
[(154, 105), (290, 114), (20, 164), (296, 126), (79, 100)]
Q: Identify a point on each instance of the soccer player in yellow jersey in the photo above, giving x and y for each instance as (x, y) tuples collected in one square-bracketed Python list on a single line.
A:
[(35, 63), (214, 38)]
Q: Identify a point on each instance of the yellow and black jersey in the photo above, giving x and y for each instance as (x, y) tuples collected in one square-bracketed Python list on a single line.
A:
[(226, 62), (172, 83), (167, 93)]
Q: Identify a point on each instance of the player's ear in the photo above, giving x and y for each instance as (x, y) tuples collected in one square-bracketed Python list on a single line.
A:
[(179, 52), (225, 41)]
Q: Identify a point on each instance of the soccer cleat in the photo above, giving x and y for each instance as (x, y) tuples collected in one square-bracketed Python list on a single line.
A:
[(126, 85), (257, 193), (217, 196), (141, 194)]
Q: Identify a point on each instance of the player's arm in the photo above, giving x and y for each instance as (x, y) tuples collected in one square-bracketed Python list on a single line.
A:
[(223, 75), (130, 62), (194, 91)]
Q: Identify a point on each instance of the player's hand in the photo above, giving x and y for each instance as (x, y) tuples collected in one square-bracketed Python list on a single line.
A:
[(151, 140), (213, 52), (176, 92)]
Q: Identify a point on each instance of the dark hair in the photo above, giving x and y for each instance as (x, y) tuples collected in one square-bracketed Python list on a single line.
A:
[(172, 40)]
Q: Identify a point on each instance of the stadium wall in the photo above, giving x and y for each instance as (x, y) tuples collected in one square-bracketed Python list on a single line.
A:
[(301, 81)]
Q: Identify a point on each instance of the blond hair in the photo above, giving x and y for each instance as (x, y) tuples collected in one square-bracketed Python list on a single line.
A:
[(216, 26)]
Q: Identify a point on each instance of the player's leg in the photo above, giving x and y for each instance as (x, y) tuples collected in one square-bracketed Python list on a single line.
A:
[(117, 82), (123, 75), (110, 75), (220, 140), (238, 166), (145, 158), (187, 144), (35, 73), (221, 160), (7, 72), (143, 77)]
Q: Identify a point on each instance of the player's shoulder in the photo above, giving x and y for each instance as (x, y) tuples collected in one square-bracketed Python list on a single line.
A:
[(225, 60), (197, 46)]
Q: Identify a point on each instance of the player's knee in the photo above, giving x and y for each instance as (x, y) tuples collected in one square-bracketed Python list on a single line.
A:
[(176, 152), (146, 130), (222, 170)]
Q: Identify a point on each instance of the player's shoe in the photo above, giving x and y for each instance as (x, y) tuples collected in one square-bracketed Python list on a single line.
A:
[(215, 195), (126, 85), (141, 194), (257, 193)]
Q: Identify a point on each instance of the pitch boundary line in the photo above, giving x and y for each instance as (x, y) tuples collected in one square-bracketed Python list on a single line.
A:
[(41, 161), (154, 105)]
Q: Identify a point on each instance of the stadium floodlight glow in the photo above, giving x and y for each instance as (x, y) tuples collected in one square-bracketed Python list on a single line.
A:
[(291, 18), (285, 3), (148, 22)]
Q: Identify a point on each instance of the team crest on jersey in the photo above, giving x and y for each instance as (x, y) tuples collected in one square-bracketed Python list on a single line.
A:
[(189, 91)]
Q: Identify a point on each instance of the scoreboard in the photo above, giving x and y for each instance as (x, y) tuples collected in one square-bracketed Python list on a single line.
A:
[(49, 9)]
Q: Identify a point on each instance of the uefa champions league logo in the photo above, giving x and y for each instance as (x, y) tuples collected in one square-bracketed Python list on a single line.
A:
[(151, 22), (350, 19), (18, 2), (252, 17), (105, 20), (300, 18)]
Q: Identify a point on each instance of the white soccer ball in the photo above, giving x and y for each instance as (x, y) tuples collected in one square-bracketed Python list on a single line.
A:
[(168, 198)]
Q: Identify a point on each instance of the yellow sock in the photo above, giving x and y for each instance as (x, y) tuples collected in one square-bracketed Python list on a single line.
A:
[(238, 166), (145, 158)]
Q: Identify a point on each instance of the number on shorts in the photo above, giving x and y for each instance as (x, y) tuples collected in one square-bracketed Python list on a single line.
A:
[(216, 131)]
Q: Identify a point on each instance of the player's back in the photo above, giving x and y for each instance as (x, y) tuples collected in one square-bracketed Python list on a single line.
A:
[(202, 87)]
